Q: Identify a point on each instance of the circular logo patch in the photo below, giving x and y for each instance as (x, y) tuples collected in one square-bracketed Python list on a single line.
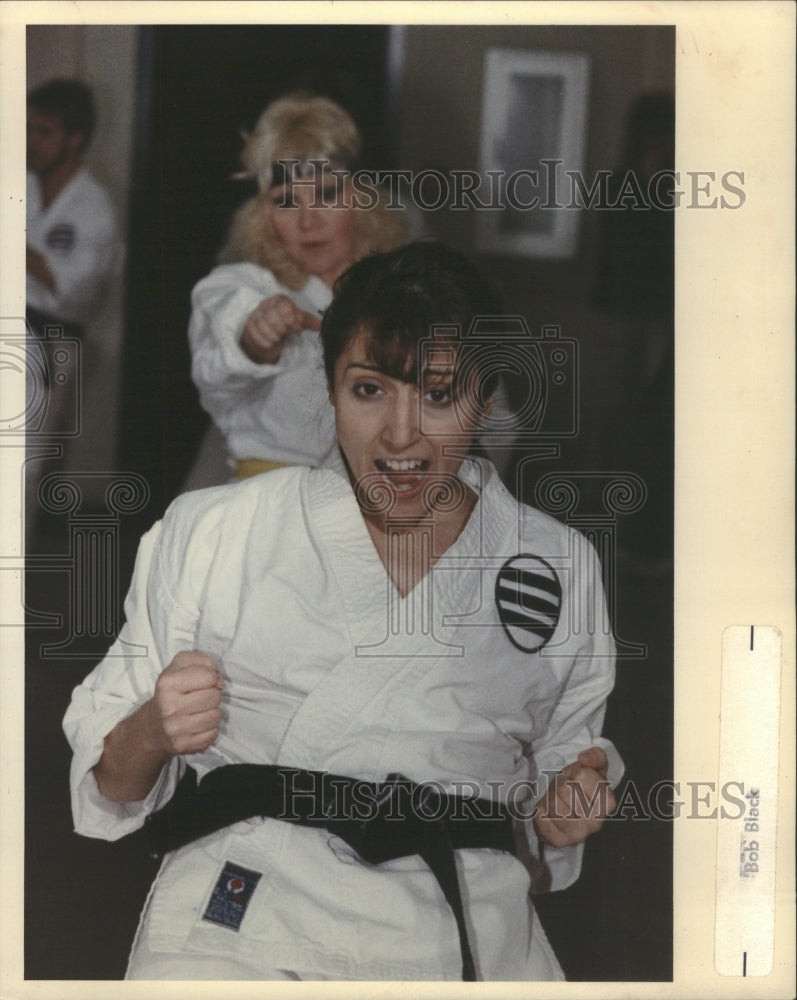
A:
[(528, 597)]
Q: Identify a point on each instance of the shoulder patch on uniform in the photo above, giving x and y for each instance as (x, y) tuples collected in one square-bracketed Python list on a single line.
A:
[(231, 895), (528, 597), (61, 236)]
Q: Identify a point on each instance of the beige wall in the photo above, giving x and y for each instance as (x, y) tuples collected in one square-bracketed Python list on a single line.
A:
[(443, 78), (53, 50), (441, 110)]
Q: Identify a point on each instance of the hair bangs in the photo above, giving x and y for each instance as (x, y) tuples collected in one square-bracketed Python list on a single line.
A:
[(397, 329)]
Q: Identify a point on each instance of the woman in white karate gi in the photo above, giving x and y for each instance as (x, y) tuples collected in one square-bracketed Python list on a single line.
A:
[(393, 612), (256, 355)]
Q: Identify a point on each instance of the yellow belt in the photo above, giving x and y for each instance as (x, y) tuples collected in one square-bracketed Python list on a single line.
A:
[(247, 467)]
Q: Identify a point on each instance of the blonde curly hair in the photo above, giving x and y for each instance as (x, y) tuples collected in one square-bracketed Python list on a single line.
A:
[(301, 126)]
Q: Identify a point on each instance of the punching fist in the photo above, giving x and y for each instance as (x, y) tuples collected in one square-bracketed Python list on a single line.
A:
[(182, 717), (184, 711), (267, 327), (577, 801)]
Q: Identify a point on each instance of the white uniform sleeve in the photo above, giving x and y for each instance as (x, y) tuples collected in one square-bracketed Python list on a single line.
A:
[(156, 628), (221, 303), (577, 718)]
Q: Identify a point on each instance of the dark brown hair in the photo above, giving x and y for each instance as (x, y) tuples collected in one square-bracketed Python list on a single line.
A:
[(397, 299), (69, 101)]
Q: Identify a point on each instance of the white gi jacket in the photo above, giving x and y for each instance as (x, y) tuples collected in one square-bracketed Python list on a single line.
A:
[(280, 412), (328, 668), (78, 235)]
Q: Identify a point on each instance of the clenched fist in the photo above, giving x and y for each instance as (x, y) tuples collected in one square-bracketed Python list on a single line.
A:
[(268, 326), (185, 710), (577, 801), (182, 717)]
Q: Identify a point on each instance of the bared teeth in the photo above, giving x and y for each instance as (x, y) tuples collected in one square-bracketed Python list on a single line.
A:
[(405, 465)]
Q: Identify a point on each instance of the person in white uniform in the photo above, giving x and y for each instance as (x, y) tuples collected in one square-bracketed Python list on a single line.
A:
[(315, 642), (73, 250), (73, 244), (256, 354)]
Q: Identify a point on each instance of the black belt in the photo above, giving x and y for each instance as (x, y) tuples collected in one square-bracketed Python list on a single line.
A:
[(380, 820)]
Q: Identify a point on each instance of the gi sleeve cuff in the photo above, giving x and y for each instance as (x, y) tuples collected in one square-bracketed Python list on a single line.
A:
[(94, 814)]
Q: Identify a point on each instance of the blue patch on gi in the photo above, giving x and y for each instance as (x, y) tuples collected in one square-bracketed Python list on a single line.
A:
[(231, 895), (528, 597), (61, 237)]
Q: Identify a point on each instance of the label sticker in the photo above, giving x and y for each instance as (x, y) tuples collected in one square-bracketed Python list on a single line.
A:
[(231, 895), (744, 943)]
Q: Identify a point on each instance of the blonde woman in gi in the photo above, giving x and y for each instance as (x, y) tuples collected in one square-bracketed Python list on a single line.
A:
[(389, 677), (256, 356)]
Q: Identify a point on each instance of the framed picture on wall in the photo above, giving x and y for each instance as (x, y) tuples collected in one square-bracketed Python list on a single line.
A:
[(533, 130)]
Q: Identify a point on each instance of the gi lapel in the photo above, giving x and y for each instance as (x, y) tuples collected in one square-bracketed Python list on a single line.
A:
[(394, 640)]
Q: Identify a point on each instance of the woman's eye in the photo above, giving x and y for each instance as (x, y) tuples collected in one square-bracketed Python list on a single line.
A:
[(367, 389), (439, 396)]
